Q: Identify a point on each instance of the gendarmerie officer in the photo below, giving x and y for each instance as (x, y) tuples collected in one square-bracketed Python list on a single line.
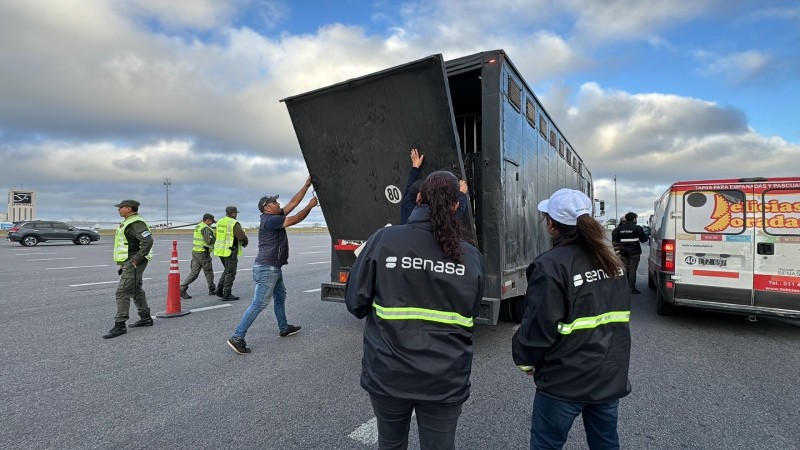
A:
[(133, 248)]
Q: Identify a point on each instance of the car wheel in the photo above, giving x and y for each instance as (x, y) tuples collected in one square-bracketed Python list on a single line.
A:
[(663, 307), (29, 241), (83, 240)]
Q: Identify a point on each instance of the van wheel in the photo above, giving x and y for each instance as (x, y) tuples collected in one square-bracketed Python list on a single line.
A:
[(512, 309), (650, 283), (663, 307)]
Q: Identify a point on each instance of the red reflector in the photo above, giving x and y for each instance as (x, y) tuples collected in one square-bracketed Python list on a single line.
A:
[(346, 247), (343, 277), (670, 284), (669, 265)]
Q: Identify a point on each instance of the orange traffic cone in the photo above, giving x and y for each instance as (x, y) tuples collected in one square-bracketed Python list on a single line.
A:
[(173, 288)]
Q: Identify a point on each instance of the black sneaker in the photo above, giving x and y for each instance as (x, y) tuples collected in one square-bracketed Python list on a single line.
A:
[(212, 291), (290, 330), (229, 298), (635, 291), (239, 346), (185, 295)]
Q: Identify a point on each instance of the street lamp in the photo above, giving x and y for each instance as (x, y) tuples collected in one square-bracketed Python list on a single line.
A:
[(167, 184), (616, 208)]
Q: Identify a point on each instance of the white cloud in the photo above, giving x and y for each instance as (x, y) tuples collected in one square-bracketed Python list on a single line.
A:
[(737, 67)]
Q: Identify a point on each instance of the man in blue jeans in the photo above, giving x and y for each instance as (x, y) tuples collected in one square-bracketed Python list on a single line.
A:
[(273, 253)]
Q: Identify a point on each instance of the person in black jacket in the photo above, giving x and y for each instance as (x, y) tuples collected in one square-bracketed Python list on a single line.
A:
[(574, 338), (420, 287), (627, 239)]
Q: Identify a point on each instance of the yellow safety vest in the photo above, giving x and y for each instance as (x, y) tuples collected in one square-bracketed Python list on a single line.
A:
[(222, 247), (121, 241), (199, 243)]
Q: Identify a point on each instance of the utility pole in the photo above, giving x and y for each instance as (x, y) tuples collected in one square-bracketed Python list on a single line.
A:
[(616, 208), (167, 184)]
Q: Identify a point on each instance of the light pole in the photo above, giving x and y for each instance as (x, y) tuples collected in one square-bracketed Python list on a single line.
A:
[(616, 208), (167, 184)]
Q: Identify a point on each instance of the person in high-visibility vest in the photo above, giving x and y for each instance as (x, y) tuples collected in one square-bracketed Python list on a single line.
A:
[(575, 339), (202, 243), (133, 248), (230, 239)]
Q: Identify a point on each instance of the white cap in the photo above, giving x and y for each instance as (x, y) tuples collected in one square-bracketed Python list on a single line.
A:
[(566, 205)]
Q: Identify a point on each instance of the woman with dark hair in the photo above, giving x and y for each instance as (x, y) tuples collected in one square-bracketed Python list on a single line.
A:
[(575, 337), (420, 287)]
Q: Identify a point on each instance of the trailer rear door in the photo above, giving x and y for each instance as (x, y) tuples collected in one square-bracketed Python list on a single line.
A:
[(356, 137)]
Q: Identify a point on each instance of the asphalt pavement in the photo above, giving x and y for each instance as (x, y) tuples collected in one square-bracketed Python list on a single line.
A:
[(700, 380)]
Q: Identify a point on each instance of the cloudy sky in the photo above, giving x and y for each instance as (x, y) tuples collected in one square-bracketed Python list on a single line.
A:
[(102, 100)]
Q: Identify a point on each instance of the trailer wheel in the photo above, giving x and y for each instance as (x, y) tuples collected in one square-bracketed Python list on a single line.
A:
[(512, 309)]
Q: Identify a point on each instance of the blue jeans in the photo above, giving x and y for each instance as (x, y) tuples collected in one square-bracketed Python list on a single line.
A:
[(269, 285), (552, 419)]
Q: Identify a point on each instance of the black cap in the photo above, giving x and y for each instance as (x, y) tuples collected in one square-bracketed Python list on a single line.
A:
[(207, 216), (231, 210), (131, 203), (265, 201)]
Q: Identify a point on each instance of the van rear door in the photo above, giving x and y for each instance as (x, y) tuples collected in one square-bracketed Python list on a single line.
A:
[(356, 137), (714, 245), (777, 259)]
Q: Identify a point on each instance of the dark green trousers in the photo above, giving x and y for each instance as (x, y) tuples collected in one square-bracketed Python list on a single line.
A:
[(130, 287), (230, 264), (200, 261)]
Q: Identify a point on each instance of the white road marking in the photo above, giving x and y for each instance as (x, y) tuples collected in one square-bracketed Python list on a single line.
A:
[(310, 253), (367, 433), (320, 262), (26, 254), (46, 259), (101, 282), (314, 290), (76, 267), (210, 307)]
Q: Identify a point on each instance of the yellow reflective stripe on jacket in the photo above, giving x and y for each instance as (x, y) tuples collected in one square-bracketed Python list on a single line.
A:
[(431, 315), (585, 323)]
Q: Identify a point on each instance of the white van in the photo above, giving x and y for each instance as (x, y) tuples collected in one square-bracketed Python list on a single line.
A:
[(731, 245)]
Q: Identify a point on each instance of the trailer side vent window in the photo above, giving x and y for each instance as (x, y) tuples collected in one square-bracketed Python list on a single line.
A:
[(530, 113), (569, 157), (574, 162), (561, 148), (514, 93), (580, 167), (543, 127), (553, 139)]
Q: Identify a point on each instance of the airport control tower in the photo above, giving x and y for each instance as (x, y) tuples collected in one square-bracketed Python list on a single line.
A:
[(21, 205)]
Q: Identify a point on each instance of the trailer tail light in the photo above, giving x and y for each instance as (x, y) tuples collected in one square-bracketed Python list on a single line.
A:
[(346, 245), (343, 276), (668, 255)]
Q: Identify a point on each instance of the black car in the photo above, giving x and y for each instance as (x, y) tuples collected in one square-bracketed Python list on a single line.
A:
[(30, 233)]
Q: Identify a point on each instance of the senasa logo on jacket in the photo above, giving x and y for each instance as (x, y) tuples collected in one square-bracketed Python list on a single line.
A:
[(592, 276), (408, 262)]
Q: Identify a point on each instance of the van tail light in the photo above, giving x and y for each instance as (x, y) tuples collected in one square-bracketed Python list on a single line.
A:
[(668, 255)]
